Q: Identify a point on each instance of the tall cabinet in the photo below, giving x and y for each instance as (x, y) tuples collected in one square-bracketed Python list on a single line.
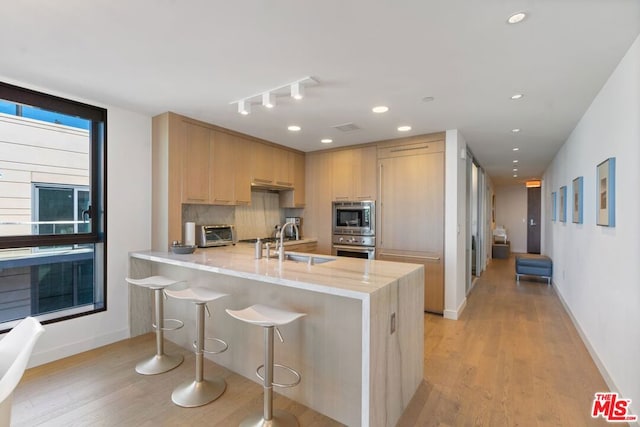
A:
[(410, 211)]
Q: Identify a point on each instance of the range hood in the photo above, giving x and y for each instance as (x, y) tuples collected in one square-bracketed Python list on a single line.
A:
[(272, 187)]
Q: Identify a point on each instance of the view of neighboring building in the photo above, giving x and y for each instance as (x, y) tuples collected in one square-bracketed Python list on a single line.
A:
[(44, 190)]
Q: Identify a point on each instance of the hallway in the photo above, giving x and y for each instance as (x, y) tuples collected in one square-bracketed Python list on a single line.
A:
[(514, 358)]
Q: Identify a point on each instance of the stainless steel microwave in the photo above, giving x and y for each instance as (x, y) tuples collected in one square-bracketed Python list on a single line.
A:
[(215, 235), (357, 218)]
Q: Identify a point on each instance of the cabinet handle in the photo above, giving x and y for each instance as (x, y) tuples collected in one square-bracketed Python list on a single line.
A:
[(342, 197), (289, 184), (265, 181), (222, 200), (364, 197), (394, 150), (430, 258), (381, 206)]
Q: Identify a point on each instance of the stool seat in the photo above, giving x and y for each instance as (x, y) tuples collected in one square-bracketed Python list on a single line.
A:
[(153, 282), (195, 294), (263, 315)]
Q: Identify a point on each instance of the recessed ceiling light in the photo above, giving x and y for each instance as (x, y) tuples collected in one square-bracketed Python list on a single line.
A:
[(516, 149), (404, 128), (515, 175), (326, 140), (294, 128), (516, 17), (517, 96), (516, 130), (515, 161), (428, 99), (380, 109), (515, 169)]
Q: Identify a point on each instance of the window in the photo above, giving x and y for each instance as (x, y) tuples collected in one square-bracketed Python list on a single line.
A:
[(52, 207)]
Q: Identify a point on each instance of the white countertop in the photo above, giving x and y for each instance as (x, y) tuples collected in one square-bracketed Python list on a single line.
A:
[(350, 277)]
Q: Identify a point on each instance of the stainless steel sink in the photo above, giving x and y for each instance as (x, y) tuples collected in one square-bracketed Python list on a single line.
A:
[(307, 259)]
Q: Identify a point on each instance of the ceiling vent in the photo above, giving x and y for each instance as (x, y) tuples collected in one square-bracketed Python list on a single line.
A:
[(347, 127)]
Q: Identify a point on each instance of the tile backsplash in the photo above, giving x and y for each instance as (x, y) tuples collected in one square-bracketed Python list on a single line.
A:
[(257, 220)]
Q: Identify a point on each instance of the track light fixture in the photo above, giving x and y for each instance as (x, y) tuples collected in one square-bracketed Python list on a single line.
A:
[(268, 100), (268, 97), (297, 90), (244, 107)]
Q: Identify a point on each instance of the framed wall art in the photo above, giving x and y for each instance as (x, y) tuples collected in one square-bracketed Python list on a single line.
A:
[(606, 193), (563, 203), (554, 206), (577, 200)]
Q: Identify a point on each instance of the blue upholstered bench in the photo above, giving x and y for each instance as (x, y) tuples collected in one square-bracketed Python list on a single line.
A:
[(534, 265)]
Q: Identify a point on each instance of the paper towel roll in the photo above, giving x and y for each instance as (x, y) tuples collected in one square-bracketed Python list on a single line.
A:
[(189, 233)]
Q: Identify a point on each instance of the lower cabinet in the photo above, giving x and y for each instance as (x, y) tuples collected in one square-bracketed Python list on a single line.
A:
[(307, 247), (433, 275)]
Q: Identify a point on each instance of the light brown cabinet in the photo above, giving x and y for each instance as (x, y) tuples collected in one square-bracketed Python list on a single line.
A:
[(317, 213), (354, 174), (222, 172), (262, 158), (242, 168), (410, 220), (195, 163), (283, 167), (295, 198)]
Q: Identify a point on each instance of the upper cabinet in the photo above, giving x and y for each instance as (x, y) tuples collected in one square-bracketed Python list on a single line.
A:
[(354, 174), (295, 198), (272, 166), (195, 163), (222, 173), (262, 170)]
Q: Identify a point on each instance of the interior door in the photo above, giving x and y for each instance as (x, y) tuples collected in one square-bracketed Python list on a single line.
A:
[(533, 217)]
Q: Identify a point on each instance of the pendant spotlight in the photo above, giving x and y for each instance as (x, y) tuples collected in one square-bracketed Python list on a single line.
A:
[(268, 98), (244, 107), (297, 91)]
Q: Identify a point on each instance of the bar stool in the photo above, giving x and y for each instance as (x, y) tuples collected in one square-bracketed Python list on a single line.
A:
[(269, 318), (199, 391), (160, 362)]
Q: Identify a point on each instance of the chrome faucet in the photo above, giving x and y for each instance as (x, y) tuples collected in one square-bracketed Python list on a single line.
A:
[(282, 233)]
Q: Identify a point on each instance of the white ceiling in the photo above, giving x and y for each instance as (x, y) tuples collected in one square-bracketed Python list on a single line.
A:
[(195, 57)]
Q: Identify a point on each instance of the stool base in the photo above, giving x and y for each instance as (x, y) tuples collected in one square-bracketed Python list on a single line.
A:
[(280, 419), (197, 393), (158, 364)]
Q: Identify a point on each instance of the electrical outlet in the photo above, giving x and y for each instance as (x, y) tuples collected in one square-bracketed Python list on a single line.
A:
[(393, 324)]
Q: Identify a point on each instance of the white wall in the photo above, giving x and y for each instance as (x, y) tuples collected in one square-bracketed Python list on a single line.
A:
[(511, 212), (454, 225), (128, 229), (597, 269)]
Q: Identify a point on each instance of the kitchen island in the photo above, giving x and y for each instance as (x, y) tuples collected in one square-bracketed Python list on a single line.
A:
[(359, 348)]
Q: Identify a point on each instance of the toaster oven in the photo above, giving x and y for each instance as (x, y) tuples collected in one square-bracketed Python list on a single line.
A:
[(215, 235)]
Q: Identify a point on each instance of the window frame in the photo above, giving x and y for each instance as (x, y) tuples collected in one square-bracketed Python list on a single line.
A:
[(97, 166), (97, 237)]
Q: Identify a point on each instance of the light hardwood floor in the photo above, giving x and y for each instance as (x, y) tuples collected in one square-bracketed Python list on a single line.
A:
[(513, 359)]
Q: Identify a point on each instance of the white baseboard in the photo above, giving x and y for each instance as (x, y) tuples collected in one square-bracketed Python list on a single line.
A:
[(70, 349), (455, 314), (603, 370), (592, 352)]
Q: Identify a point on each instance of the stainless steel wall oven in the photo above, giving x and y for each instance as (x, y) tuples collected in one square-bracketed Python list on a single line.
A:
[(353, 225)]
